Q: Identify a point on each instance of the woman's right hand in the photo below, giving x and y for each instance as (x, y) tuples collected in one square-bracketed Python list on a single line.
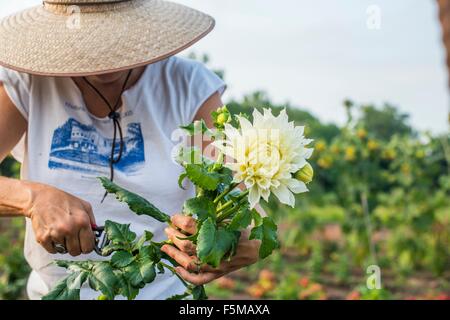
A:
[(60, 218)]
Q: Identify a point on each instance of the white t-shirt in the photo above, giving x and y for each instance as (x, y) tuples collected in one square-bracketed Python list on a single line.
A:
[(67, 147)]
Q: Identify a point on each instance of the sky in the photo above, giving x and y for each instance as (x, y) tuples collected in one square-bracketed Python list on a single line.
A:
[(316, 53)]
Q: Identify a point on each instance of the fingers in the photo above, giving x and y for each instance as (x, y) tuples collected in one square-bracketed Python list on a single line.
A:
[(73, 245), (87, 206), (197, 279), (87, 240), (183, 259), (49, 246), (185, 223), (184, 245)]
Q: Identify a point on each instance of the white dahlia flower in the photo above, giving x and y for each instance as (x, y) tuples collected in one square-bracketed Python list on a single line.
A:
[(266, 155)]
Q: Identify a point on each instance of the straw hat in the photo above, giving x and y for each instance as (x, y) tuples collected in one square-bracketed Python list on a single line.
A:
[(85, 37)]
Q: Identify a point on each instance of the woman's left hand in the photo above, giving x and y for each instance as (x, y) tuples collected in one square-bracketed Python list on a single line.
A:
[(183, 251)]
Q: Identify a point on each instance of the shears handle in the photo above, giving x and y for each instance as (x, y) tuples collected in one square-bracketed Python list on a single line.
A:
[(100, 242)]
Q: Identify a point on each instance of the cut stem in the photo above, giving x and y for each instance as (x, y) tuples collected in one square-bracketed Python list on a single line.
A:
[(230, 188)]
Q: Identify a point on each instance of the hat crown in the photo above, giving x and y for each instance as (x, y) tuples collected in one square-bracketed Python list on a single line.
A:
[(81, 2)]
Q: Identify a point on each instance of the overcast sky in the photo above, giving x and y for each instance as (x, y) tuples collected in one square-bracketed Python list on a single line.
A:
[(315, 53)]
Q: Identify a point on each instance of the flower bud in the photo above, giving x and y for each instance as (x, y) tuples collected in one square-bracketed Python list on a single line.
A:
[(222, 118), (305, 174)]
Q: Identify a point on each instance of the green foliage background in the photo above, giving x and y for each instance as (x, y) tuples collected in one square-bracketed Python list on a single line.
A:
[(381, 187)]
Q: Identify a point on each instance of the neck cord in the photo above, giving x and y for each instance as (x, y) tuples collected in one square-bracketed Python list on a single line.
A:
[(115, 117)]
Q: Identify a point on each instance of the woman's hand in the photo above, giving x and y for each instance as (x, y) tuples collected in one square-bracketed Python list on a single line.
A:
[(183, 252), (60, 218)]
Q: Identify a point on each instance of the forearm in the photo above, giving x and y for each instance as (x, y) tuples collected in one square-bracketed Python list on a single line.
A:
[(15, 197)]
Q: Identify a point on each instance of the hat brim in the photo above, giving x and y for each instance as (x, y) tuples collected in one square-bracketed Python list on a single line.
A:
[(141, 32)]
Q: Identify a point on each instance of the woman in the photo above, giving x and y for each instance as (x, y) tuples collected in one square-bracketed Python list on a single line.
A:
[(91, 88)]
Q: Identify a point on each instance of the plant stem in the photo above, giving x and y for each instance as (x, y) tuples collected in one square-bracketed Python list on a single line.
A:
[(229, 212), (172, 269), (230, 188), (231, 202)]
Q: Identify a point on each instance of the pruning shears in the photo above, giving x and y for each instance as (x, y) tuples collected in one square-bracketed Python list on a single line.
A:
[(101, 240)]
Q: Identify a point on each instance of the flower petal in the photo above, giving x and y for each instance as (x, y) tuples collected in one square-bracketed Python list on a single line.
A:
[(284, 195)]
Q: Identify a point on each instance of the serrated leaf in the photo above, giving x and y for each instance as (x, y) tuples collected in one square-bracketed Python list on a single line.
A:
[(121, 259), (197, 127), (201, 206), (147, 236), (206, 238), (103, 279), (181, 179), (257, 219), (202, 178), (136, 203), (179, 296), (199, 293), (225, 242), (125, 287), (267, 233), (119, 234), (65, 288), (241, 220), (110, 248)]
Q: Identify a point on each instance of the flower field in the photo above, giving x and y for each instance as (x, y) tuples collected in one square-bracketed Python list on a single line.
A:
[(380, 197)]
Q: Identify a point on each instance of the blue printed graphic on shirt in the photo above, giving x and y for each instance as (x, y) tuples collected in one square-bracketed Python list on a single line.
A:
[(81, 148)]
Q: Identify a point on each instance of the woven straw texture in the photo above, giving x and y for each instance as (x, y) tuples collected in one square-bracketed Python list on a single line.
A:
[(63, 40)]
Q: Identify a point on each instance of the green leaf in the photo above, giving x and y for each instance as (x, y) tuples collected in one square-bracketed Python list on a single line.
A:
[(267, 233), (201, 206), (140, 274), (136, 203), (206, 239), (179, 296), (202, 178), (147, 236), (197, 127), (142, 270), (110, 248), (103, 279), (121, 259), (181, 179), (225, 242), (241, 220), (125, 287), (67, 288), (119, 234), (256, 218), (199, 293)]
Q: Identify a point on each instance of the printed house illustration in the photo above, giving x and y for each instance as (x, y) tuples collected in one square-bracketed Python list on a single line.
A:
[(80, 147)]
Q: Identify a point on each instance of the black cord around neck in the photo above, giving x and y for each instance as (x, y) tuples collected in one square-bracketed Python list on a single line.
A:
[(115, 117)]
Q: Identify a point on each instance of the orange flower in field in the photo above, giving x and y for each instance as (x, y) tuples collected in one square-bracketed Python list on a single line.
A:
[(303, 282), (315, 287), (266, 275), (256, 291), (226, 283), (361, 133), (354, 295)]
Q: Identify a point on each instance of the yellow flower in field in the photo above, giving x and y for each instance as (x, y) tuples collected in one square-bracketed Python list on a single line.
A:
[(373, 145), (350, 153), (320, 146), (405, 168), (420, 154), (335, 149), (266, 154), (361, 133), (325, 162), (389, 154)]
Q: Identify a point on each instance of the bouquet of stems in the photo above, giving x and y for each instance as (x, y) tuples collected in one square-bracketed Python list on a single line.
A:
[(255, 159)]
